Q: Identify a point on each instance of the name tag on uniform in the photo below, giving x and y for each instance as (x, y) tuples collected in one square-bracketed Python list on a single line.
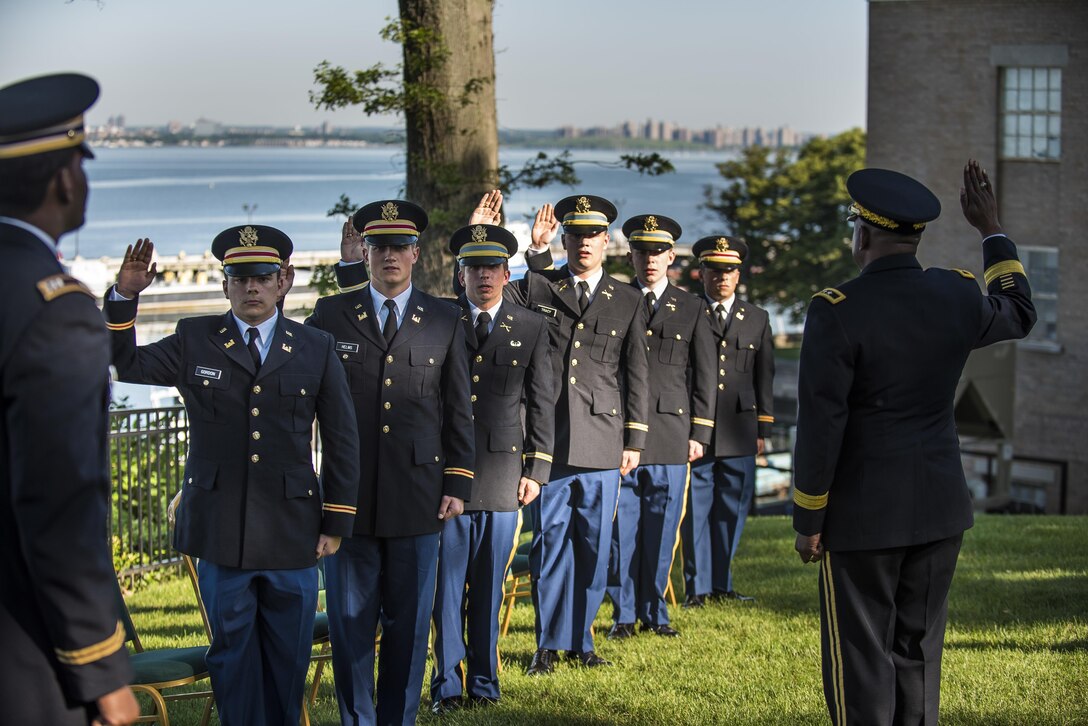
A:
[(209, 372), (546, 310), (347, 347)]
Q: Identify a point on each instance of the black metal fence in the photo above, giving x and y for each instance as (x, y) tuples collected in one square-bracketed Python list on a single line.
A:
[(147, 460)]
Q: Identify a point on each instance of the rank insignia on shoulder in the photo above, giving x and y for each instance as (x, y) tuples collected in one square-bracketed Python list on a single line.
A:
[(830, 294), (55, 286), (964, 273)]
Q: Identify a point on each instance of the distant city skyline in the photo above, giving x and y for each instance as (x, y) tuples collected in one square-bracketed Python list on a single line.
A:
[(771, 63)]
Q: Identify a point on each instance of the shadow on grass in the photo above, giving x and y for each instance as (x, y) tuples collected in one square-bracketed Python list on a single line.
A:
[(1069, 646)]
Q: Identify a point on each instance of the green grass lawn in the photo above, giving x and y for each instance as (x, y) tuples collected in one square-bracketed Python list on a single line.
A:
[(1016, 650)]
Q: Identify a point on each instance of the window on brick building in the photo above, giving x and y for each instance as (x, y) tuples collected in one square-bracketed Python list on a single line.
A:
[(1031, 104), (1041, 266)]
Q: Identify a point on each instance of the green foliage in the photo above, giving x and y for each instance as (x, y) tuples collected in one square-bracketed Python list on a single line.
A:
[(344, 206), (792, 213), (1016, 650), (323, 280)]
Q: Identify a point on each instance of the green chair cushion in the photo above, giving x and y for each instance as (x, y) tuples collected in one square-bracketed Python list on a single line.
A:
[(520, 565), (321, 626), (168, 664)]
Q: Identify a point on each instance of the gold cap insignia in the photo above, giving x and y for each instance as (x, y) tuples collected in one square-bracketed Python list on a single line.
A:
[(582, 205), (479, 234), (650, 224), (247, 237), (722, 245), (390, 211)]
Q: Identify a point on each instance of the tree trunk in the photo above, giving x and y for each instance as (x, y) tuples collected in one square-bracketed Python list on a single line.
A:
[(452, 139)]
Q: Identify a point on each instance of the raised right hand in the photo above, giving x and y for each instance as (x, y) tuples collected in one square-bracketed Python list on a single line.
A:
[(488, 210), (978, 201), (137, 270), (352, 248), (545, 227)]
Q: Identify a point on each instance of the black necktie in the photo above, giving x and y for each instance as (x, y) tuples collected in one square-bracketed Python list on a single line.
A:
[(650, 300), (583, 296), (482, 321), (722, 316), (254, 351), (390, 328)]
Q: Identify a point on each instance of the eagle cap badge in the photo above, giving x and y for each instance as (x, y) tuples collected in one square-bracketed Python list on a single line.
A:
[(582, 205), (722, 245), (247, 237), (479, 234), (390, 211), (650, 223)]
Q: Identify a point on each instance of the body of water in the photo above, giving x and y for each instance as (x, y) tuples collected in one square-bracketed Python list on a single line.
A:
[(181, 197)]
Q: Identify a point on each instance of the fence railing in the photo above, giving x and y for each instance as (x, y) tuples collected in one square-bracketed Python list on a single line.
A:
[(147, 461)]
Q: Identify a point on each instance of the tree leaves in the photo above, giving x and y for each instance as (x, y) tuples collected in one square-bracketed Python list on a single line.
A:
[(791, 210)]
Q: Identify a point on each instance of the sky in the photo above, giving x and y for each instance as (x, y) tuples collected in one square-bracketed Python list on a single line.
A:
[(797, 63)]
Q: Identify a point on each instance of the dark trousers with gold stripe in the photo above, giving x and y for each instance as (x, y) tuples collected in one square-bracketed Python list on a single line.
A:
[(882, 621)]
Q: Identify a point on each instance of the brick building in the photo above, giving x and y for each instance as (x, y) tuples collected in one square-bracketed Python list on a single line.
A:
[(1006, 82)]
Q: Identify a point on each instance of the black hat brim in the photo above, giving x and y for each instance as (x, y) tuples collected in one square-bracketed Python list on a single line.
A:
[(391, 240), (650, 246), (724, 267), (579, 231), (483, 261), (250, 269)]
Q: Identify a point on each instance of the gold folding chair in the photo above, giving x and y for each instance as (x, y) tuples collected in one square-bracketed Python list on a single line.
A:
[(161, 669)]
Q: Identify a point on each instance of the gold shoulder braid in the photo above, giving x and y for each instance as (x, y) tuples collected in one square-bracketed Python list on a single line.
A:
[(55, 286), (830, 294)]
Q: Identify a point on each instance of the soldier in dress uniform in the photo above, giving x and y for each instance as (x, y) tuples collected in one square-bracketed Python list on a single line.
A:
[(681, 419), (404, 353), (723, 481), (251, 507), (597, 327), (64, 650), (510, 362), (881, 500)]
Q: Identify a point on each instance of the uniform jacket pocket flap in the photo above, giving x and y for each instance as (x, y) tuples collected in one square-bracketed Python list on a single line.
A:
[(299, 483), (675, 402), (209, 377), (674, 332), (610, 327), (299, 384), (506, 439), (427, 451), (200, 473), (509, 357), (606, 402), (427, 355), (744, 343), (746, 400)]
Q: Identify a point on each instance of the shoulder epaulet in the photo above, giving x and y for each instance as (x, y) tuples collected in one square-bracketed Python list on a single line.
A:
[(55, 286), (830, 294), (964, 273)]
